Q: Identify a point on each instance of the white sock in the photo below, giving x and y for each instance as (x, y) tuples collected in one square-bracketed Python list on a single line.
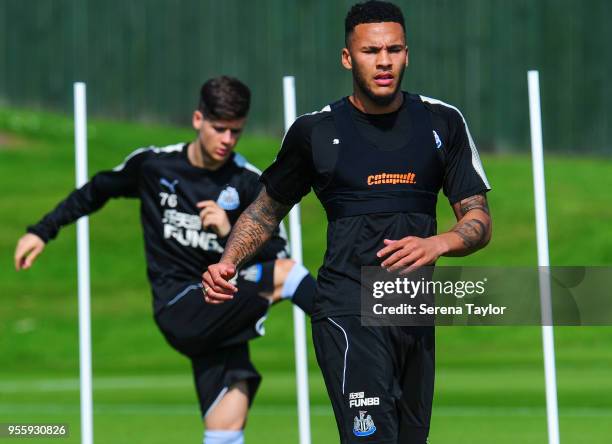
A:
[(223, 437), (293, 280)]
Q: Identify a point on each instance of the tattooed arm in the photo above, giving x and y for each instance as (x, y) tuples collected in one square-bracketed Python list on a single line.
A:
[(473, 226), (471, 233), (254, 227)]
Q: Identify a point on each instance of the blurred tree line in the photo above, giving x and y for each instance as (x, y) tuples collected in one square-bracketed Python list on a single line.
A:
[(145, 59)]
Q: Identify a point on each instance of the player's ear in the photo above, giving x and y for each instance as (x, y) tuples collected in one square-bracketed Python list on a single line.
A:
[(197, 119), (407, 56), (347, 62)]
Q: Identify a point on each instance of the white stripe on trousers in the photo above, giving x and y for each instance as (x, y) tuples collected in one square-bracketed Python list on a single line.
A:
[(345, 352)]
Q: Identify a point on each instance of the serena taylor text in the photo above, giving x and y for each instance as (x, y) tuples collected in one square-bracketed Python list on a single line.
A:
[(426, 309)]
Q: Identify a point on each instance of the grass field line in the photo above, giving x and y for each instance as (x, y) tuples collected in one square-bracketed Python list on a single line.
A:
[(136, 382), (285, 410), (99, 383)]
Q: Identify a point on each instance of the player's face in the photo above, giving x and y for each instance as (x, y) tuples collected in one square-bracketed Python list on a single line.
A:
[(217, 138), (377, 55)]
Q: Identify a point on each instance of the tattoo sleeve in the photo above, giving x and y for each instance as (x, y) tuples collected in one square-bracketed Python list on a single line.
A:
[(474, 222), (477, 202), (254, 227)]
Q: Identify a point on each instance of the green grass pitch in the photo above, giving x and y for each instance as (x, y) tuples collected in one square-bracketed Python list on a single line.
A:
[(490, 381)]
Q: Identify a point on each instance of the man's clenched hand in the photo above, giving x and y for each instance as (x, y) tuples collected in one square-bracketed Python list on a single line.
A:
[(28, 248), (216, 286), (214, 217)]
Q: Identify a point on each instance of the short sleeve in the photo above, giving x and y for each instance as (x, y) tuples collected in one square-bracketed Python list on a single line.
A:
[(464, 175), (289, 178)]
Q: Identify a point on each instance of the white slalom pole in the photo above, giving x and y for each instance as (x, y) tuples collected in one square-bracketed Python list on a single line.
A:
[(80, 140), (299, 319), (537, 154)]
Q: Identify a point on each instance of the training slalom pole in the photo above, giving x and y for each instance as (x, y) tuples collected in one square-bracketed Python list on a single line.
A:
[(299, 319), (80, 141), (552, 410)]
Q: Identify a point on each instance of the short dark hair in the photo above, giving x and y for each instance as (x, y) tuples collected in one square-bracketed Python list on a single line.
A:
[(372, 11), (224, 98)]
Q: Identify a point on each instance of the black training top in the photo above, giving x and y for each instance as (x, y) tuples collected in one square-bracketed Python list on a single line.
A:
[(177, 247), (378, 177)]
